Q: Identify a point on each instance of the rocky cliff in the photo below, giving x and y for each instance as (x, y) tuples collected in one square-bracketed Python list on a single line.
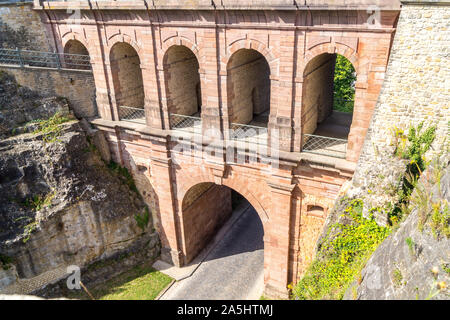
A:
[(414, 261), (61, 204)]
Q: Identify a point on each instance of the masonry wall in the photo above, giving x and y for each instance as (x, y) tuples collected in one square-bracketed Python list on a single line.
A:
[(77, 86), (204, 217), (127, 76), (248, 86), (21, 15), (416, 87), (182, 81)]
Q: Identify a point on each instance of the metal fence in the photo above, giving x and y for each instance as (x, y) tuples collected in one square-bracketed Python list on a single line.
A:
[(185, 123), (29, 58), (327, 146), (132, 114), (248, 133)]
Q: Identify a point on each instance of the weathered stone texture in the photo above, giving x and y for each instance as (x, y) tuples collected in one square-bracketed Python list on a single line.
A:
[(416, 88), (22, 15), (397, 270)]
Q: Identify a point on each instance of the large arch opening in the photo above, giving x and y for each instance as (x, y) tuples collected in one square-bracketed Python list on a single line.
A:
[(327, 105), (206, 208), (183, 89), (76, 56), (127, 80), (248, 91), (221, 229)]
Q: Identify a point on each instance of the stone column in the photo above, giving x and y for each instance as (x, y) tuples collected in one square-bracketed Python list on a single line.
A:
[(276, 238), (169, 225)]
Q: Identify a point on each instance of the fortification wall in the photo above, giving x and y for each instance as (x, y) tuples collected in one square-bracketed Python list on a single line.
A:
[(22, 27), (75, 85), (416, 86)]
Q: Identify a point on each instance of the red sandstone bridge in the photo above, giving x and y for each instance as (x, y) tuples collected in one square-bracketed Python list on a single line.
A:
[(255, 83)]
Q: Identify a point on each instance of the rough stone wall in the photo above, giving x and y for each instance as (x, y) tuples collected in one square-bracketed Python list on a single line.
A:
[(318, 91), (416, 88), (182, 81), (22, 15), (77, 86), (204, 217)]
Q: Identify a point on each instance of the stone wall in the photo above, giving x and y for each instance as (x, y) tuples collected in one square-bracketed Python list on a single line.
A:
[(416, 88), (127, 76), (182, 81), (18, 16), (75, 85), (204, 217), (248, 86)]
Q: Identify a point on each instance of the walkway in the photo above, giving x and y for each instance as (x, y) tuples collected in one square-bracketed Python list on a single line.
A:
[(232, 270)]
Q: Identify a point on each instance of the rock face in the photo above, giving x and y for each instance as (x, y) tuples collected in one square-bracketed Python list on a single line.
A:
[(401, 266), (62, 205), (19, 106)]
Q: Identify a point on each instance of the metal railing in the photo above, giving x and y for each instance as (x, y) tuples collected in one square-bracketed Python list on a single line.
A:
[(248, 133), (54, 60), (327, 146), (185, 123), (132, 114)]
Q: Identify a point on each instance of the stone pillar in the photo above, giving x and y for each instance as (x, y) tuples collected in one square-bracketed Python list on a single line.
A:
[(169, 225), (276, 239)]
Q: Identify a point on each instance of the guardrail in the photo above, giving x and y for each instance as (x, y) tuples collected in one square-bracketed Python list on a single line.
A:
[(54, 60), (185, 123), (132, 114), (327, 146), (248, 133)]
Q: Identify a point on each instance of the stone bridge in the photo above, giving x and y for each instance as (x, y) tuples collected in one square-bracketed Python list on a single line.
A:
[(201, 98)]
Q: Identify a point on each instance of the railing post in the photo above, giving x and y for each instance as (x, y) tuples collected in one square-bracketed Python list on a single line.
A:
[(19, 55)]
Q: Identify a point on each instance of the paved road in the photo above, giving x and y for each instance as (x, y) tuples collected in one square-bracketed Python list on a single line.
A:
[(232, 270)]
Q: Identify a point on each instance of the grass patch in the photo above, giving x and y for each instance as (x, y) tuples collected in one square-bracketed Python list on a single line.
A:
[(139, 283), (341, 258)]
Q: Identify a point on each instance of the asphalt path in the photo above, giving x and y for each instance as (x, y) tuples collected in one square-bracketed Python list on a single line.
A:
[(232, 270)]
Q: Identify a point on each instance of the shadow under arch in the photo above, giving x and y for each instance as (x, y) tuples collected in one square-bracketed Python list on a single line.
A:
[(127, 78), (208, 209), (248, 88)]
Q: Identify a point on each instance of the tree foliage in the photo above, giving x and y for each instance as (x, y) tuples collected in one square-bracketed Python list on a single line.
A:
[(344, 84)]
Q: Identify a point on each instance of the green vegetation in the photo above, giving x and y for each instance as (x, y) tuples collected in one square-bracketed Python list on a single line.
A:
[(5, 261), (50, 128), (125, 175), (28, 230), (440, 220), (39, 202), (411, 245), (142, 220), (397, 277), (344, 85), (412, 147), (341, 258), (446, 268), (139, 283)]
